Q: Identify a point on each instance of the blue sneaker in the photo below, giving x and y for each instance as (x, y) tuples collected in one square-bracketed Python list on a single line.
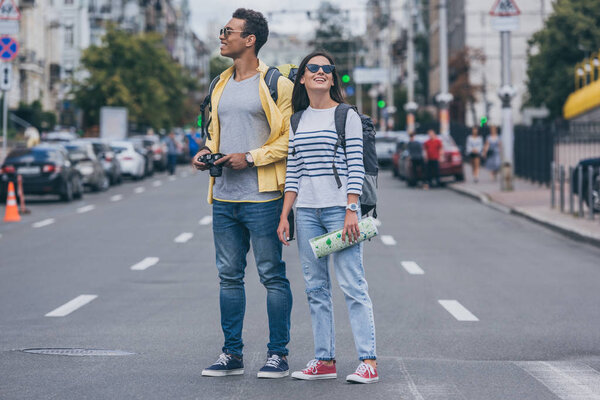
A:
[(225, 365), (275, 367)]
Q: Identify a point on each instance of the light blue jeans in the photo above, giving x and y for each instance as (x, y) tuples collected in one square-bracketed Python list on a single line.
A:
[(348, 264)]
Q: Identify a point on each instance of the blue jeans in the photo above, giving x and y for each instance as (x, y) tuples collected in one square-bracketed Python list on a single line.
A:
[(350, 274), (235, 226)]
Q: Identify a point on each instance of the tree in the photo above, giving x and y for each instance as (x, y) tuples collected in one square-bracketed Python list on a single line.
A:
[(136, 72), (219, 64), (33, 113), (464, 92), (571, 32)]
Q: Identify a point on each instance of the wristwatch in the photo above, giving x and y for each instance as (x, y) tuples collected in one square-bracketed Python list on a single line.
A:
[(249, 160), (352, 207)]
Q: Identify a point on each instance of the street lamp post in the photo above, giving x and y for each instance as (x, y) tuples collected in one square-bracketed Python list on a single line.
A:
[(444, 97), (410, 106)]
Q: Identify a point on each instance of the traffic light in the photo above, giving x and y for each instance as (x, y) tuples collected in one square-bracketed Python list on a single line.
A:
[(483, 122), (346, 78), (381, 104)]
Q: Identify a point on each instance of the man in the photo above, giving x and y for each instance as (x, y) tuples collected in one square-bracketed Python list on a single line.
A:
[(172, 151), (252, 130), (415, 152), (433, 151)]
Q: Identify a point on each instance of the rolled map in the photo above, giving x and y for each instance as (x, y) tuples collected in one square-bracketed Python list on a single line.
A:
[(331, 242)]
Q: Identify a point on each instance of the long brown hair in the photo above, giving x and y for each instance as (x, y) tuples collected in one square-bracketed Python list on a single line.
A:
[(300, 100)]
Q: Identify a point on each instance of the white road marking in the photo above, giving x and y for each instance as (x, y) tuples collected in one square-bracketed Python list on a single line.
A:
[(457, 310), (145, 263), (184, 175), (85, 209), (42, 223), (388, 240), (72, 305), (184, 237), (412, 268), (567, 380), (172, 178), (139, 189), (376, 222), (157, 183), (117, 197), (207, 220)]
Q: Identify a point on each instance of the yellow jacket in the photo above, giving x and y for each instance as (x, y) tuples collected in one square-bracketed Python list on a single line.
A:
[(270, 159)]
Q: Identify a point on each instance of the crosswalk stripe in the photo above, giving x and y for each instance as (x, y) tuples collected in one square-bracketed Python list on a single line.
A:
[(412, 268), (139, 189), (85, 209), (184, 237), (388, 240), (145, 263), (72, 305), (117, 197), (207, 220), (458, 311), (567, 380), (42, 223)]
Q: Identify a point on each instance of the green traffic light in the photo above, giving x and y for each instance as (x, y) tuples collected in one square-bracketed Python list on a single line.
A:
[(483, 121), (381, 104), (346, 78), (199, 121)]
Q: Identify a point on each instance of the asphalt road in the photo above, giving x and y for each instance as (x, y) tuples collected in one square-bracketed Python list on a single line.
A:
[(491, 307)]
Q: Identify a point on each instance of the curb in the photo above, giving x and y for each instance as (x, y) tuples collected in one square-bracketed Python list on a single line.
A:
[(485, 199)]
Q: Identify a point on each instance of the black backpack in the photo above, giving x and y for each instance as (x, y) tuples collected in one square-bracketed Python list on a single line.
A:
[(271, 77), (368, 198)]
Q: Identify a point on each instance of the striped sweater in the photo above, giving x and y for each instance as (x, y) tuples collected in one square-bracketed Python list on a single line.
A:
[(310, 159)]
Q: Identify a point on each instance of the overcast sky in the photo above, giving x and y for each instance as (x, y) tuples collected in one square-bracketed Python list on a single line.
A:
[(218, 12)]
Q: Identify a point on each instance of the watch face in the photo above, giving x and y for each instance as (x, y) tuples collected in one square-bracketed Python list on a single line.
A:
[(353, 207)]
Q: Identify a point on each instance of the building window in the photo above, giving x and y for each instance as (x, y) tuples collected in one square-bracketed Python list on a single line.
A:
[(68, 2), (69, 35)]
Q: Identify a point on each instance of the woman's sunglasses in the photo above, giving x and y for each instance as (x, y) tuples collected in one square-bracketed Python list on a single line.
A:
[(314, 68)]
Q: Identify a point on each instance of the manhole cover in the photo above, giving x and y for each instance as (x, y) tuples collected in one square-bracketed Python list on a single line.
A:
[(78, 352)]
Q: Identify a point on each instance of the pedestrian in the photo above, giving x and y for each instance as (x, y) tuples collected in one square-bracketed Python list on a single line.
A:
[(194, 142), (493, 152), (251, 129), (172, 151), (434, 150), (474, 151), (323, 207), (415, 153)]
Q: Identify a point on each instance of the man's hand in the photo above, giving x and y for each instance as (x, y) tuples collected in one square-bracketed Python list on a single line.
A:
[(197, 164), (234, 161)]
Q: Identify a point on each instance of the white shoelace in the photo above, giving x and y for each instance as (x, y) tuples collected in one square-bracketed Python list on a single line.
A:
[(312, 365), (223, 359), (273, 361), (364, 367)]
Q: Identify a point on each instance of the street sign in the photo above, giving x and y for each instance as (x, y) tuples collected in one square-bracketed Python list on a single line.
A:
[(9, 27), (505, 8), (9, 48), (9, 10), (371, 75), (5, 76), (505, 24)]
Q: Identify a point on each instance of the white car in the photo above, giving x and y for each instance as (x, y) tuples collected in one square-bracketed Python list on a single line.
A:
[(132, 162)]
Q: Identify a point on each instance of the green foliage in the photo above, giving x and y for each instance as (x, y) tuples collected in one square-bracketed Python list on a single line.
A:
[(34, 114), (219, 64), (569, 35), (136, 72)]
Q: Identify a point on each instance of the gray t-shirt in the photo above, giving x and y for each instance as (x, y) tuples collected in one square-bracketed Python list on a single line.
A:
[(244, 127)]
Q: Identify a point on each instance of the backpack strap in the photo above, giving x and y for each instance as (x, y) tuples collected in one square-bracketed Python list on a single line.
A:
[(207, 103), (271, 79), (341, 114), (294, 122)]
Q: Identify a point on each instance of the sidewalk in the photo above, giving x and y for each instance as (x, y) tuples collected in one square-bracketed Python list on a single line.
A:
[(531, 201)]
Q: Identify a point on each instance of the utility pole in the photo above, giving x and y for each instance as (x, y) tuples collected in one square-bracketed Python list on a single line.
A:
[(444, 97), (410, 106)]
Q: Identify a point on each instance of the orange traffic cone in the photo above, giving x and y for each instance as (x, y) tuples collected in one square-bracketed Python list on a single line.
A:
[(12, 210)]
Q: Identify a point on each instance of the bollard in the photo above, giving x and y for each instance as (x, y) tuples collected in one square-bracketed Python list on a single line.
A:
[(591, 192), (561, 186), (571, 200), (580, 190), (24, 209), (552, 185)]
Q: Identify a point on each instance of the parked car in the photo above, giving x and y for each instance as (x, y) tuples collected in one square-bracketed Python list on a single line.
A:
[(450, 164), (132, 162), (45, 169), (84, 158), (595, 163), (158, 149), (385, 145), (139, 146), (108, 159), (58, 137)]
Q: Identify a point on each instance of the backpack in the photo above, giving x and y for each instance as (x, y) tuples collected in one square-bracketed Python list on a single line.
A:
[(271, 78), (368, 198)]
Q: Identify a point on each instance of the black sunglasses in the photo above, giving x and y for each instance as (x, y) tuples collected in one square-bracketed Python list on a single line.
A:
[(228, 31), (314, 68)]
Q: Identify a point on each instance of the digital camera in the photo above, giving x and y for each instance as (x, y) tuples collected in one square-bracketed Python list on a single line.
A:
[(210, 159)]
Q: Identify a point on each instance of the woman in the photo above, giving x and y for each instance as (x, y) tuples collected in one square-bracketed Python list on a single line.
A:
[(474, 149), (492, 150), (322, 207)]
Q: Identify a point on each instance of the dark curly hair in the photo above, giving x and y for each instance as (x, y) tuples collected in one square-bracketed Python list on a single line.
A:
[(254, 24)]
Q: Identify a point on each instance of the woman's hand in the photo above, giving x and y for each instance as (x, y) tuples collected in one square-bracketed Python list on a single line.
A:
[(283, 231), (351, 227)]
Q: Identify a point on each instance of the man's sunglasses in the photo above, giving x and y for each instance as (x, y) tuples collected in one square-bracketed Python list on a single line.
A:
[(314, 68), (228, 31)]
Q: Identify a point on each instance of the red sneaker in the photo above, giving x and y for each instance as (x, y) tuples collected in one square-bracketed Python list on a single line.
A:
[(316, 369), (364, 374)]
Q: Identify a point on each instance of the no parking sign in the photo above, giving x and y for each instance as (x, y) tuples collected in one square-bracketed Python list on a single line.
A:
[(9, 48)]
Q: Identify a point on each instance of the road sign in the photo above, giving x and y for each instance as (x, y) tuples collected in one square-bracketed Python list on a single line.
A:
[(505, 24), (5, 76), (505, 8), (9, 10), (9, 48), (9, 27), (371, 75)]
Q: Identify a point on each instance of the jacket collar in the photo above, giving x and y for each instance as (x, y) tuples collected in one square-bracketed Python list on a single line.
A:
[(228, 73)]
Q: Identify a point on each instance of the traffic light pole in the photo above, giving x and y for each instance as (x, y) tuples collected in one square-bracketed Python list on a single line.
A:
[(506, 93), (410, 106), (444, 97)]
